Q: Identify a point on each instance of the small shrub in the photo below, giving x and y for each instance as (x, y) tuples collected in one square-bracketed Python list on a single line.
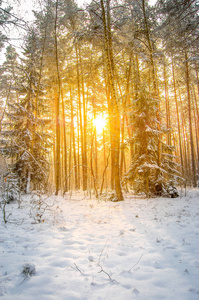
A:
[(12, 190), (28, 270)]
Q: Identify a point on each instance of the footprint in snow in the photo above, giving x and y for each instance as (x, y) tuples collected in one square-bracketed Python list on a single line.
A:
[(157, 265), (192, 290), (90, 258), (135, 291), (64, 229)]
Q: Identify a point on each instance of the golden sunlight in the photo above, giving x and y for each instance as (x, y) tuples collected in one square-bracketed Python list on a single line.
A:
[(99, 122)]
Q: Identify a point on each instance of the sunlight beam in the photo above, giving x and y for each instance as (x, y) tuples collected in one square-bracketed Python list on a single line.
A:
[(99, 122)]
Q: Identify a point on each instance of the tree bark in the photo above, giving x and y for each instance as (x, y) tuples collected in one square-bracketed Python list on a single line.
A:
[(155, 87), (65, 144), (113, 105), (73, 140), (57, 103), (178, 119), (190, 122), (84, 131)]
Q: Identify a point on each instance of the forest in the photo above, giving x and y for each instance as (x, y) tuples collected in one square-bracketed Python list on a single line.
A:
[(101, 97)]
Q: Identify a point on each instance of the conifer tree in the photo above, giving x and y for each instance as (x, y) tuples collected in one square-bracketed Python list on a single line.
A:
[(27, 135), (144, 164)]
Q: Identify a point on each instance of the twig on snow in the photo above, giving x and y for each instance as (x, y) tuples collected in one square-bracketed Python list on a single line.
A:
[(78, 268), (136, 263), (102, 270), (102, 252)]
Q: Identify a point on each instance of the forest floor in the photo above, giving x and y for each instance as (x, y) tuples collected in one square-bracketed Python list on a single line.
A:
[(79, 248)]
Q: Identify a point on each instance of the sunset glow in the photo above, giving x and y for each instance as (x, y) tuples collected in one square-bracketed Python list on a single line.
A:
[(99, 122)]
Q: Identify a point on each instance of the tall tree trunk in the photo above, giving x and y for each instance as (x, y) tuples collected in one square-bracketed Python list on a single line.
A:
[(80, 113), (155, 87), (57, 101), (128, 103), (70, 159), (178, 119), (113, 105), (190, 122), (184, 139), (167, 104), (73, 140), (78, 149), (65, 144), (84, 130), (195, 125), (93, 177), (125, 100)]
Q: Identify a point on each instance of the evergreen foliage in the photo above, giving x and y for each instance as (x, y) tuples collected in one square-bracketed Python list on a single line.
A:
[(24, 141), (145, 173), (12, 187)]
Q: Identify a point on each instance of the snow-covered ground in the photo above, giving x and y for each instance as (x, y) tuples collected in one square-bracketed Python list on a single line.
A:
[(95, 249)]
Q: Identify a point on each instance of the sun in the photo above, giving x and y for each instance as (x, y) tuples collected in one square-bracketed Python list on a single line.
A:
[(99, 122)]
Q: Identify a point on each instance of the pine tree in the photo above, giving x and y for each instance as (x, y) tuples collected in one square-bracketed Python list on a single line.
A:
[(144, 162), (27, 135)]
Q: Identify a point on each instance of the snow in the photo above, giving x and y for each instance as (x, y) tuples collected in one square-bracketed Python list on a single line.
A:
[(94, 249)]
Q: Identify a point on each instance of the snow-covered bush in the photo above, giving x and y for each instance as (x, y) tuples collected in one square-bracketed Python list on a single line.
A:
[(41, 206), (28, 270), (172, 191), (12, 190)]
